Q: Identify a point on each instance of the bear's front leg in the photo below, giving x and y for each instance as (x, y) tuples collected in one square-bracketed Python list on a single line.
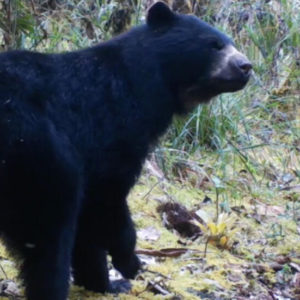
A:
[(90, 266), (104, 226), (122, 241)]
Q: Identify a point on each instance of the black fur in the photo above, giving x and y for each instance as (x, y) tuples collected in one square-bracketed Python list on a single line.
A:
[(75, 129)]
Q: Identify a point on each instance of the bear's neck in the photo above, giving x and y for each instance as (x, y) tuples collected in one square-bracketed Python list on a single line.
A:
[(145, 89)]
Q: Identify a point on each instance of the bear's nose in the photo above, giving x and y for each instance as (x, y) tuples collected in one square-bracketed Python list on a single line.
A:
[(245, 66)]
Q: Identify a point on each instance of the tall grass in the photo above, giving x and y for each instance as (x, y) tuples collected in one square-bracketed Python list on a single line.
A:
[(268, 33)]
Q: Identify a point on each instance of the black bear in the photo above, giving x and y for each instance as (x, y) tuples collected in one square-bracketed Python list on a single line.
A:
[(75, 129)]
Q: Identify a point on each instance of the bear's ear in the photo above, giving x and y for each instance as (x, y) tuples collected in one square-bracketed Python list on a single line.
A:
[(159, 14)]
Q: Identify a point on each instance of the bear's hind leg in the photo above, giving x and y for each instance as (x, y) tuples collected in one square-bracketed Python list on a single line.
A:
[(39, 192), (46, 270)]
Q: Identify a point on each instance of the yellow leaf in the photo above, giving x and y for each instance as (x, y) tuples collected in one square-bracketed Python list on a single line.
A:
[(221, 228), (223, 241), (213, 228)]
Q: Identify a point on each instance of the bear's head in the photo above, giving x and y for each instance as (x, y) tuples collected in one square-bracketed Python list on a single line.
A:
[(198, 61)]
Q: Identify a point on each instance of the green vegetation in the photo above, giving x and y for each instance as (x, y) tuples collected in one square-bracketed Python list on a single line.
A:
[(239, 155)]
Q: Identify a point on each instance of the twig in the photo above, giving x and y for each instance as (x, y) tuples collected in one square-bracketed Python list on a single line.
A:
[(3, 271)]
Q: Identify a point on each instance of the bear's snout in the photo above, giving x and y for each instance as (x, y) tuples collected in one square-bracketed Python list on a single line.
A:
[(244, 65), (232, 71), (240, 63)]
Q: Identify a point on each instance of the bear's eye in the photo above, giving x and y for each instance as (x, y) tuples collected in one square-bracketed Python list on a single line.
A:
[(216, 44)]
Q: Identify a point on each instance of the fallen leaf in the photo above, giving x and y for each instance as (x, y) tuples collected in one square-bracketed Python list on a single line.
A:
[(166, 252)]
